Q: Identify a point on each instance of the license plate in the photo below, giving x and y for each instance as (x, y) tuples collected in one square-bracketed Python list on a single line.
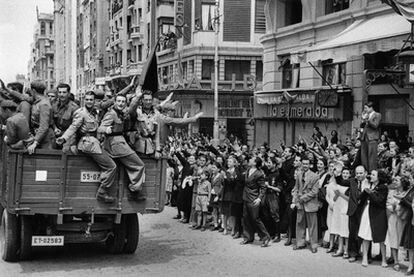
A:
[(47, 240), (90, 176)]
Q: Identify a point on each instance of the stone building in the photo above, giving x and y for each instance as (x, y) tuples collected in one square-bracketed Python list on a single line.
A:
[(352, 44)]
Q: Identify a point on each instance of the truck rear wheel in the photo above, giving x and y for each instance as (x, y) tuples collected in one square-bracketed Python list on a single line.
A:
[(26, 232), (132, 233), (9, 237), (116, 241)]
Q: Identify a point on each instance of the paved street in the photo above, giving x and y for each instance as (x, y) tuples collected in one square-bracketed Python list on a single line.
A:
[(170, 248)]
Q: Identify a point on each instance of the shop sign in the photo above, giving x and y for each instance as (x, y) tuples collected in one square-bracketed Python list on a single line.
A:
[(298, 111), (179, 13), (235, 107)]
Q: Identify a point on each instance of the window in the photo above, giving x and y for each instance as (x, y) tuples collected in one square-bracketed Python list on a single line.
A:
[(293, 12), (191, 68), (260, 19), (333, 73), (140, 53), (184, 67), (164, 75), (139, 14), (237, 67), (42, 28), (205, 20), (148, 5), (290, 74), (333, 6), (51, 28), (207, 68), (259, 71)]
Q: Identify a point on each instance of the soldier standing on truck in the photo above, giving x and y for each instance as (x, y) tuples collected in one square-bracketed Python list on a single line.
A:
[(113, 126), (63, 111), (17, 131), (85, 124), (41, 119)]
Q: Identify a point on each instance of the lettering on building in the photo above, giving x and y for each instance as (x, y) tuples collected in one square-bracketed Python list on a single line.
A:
[(298, 112), (179, 13)]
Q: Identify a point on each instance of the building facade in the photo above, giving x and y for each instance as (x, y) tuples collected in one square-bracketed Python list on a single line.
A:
[(352, 45), (92, 33), (186, 62), (41, 63)]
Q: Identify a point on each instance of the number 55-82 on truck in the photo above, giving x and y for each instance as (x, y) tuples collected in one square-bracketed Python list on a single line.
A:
[(48, 199)]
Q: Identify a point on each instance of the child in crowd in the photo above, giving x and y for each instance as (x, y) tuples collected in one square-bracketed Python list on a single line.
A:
[(202, 200)]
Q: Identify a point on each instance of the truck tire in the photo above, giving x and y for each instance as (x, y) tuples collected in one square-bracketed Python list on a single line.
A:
[(132, 233), (116, 241), (9, 237), (26, 232)]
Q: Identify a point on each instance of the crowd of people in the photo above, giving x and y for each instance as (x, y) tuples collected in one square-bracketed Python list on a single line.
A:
[(118, 127), (318, 192)]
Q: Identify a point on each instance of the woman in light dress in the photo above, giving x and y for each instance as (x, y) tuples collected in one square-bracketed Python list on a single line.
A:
[(396, 221), (340, 218), (335, 169)]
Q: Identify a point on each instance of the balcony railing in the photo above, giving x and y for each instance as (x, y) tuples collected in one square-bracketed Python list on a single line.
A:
[(135, 32)]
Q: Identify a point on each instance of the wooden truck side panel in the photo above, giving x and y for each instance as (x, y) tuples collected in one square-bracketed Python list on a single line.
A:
[(49, 182)]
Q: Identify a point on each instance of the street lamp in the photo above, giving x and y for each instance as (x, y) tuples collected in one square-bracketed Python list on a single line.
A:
[(216, 73)]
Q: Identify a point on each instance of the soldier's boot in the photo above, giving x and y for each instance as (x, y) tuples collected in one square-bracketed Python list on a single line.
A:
[(103, 196)]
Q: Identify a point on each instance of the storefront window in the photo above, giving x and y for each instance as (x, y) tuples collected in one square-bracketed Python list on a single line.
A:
[(333, 6), (239, 68), (334, 73)]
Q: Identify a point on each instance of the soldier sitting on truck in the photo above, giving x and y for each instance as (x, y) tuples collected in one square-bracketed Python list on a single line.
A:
[(41, 123), (17, 131), (14, 92), (85, 124), (63, 111), (113, 126)]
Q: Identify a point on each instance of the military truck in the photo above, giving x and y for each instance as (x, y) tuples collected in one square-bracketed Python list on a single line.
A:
[(48, 199)]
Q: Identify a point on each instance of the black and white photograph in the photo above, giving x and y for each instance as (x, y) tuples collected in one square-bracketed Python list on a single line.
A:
[(206, 138)]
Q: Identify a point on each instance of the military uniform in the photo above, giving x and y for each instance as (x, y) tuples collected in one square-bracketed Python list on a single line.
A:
[(42, 122), (85, 124), (146, 139), (62, 116), (117, 147), (18, 131)]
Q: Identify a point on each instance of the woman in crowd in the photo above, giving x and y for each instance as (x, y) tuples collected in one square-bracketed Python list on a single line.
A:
[(324, 178), (373, 226)]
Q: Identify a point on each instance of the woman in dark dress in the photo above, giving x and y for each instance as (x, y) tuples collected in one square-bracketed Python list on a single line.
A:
[(407, 239), (374, 222), (324, 177)]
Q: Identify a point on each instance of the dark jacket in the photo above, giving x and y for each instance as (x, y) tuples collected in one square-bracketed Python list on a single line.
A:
[(377, 211), (254, 186), (230, 182), (288, 176)]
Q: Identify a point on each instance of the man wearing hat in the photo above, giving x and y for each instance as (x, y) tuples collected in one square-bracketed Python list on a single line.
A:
[(17, 134)]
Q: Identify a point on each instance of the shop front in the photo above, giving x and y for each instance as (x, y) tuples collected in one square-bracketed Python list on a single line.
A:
[(287, 115), (234, 111)]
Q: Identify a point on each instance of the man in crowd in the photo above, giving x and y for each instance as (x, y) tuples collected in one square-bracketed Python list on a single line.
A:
[(305, 199), (356, 186), (41, 119), (17, 131), (370, 135), (86, 123), (63, 111), (113, 126)]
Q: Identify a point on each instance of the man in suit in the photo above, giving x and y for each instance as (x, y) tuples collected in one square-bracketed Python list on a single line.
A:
[(253, 194), (370, 137), (305, 199), (356, 186)]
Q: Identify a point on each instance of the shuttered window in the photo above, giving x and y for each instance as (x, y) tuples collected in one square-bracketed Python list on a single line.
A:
[(260, 19), (237, 14)]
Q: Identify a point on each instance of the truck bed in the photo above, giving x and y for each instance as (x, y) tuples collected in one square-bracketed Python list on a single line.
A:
[(49, 182)]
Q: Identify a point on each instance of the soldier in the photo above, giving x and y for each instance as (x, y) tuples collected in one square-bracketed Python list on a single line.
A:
[(17, 128), (85, 123), (14, 92), (113, 126), (63, 111), (52, 95), (41, 119), (151, 125)]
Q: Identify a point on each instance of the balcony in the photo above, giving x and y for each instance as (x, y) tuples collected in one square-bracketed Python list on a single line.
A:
[(135, 32), (131, 4), (50, 51), (134, 68)]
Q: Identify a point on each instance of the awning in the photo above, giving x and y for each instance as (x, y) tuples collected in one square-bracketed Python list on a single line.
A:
[(380, 33)]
